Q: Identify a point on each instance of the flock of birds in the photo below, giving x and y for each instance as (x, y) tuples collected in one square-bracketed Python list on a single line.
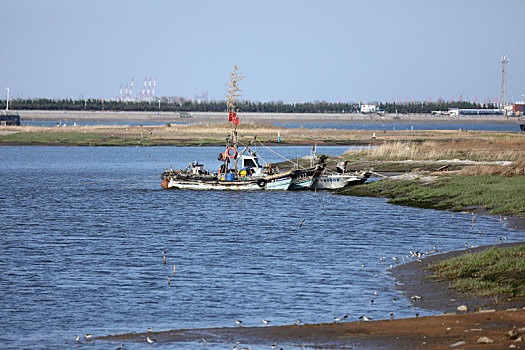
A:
[(418, 256)]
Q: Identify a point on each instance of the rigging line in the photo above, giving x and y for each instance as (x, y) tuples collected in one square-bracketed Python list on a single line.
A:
[(283, 157)]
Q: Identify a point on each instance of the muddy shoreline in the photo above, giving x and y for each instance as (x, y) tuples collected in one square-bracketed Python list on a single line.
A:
[(491, 320)]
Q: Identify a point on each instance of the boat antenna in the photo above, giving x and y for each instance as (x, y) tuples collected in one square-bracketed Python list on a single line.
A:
[(233, 91)]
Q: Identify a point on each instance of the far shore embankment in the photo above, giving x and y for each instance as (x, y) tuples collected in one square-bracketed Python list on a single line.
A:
[(248, 117)]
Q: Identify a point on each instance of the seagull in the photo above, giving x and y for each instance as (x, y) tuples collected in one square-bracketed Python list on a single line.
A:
[(239, 322), (120, 347), (362, 265), (375, 292), (345, 316), (372, 301), (150, 329), (77, 339), (298, 321), (415, 297), (391, 315), (88, 336), (265, 321), (302, 222), (337, 319), (363, 317), (204, 340), (394, 300), (149, 340)]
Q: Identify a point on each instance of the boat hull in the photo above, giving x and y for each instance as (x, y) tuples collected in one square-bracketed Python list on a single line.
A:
[(304, 183), (337, 181), (191, 183)]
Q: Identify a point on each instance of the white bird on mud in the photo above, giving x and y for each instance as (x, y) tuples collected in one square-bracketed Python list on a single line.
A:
[(363, 317), (265, 321), (239, 322), (337, 319), (149, 340), (88, 336)]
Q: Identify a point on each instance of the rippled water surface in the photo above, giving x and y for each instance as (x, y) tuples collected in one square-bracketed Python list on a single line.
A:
[(83, 231)]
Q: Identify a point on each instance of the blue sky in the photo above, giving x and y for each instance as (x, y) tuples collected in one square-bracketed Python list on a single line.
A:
[(287, 50)]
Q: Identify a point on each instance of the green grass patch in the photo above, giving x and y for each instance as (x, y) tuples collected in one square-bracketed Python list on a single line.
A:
[(490, 272), (52, 138), (496, 194)]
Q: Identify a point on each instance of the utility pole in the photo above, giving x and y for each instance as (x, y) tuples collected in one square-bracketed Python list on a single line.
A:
[(7, 102)]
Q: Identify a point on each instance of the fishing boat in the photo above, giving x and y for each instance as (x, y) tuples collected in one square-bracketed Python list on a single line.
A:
[(334, 181), (240, 170), (248, 175), (324, 179)]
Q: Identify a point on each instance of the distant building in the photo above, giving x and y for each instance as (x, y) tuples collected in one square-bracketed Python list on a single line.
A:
[(471, 111), (517, 109), (368, 108), (7, 119)]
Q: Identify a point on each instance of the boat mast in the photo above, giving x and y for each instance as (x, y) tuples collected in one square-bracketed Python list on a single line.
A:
[(232, 93)]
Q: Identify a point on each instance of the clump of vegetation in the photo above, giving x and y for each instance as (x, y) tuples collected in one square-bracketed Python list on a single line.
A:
[(491, 149), (493, 271), (496, 194), (516, 168)]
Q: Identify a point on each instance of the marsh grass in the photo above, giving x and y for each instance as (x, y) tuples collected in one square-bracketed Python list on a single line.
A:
[(53, 138), (517, 168), (496, 194), (490, 149), (490, 272)]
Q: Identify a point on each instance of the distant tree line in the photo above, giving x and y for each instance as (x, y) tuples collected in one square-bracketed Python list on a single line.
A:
[(220, 106)]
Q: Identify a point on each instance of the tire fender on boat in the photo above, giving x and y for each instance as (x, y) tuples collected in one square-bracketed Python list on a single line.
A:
[(261, 182)]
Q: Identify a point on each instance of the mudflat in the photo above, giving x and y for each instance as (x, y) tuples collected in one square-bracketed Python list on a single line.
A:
[(485, 325)]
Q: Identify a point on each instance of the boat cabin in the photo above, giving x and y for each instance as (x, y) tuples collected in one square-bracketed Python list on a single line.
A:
[(249, 165), (196, 169)]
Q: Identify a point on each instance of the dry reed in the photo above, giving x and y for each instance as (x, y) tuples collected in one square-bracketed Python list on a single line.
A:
[(492, 149), (516, 168)]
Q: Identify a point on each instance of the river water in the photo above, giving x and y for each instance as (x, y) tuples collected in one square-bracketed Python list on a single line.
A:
[(339, 126), (83, 230), (405, 126)]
